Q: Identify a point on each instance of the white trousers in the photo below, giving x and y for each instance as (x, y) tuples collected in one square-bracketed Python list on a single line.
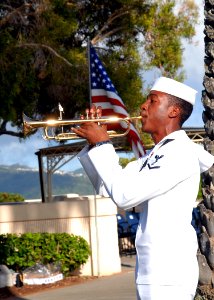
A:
[(162, 292)]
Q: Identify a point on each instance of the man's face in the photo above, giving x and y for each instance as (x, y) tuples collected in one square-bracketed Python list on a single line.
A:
[(155, 112)]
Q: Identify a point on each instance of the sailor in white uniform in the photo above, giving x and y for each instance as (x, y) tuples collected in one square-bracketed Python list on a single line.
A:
[(164, 184)]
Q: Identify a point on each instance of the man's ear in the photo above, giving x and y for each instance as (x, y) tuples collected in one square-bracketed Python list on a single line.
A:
[(174, 111)]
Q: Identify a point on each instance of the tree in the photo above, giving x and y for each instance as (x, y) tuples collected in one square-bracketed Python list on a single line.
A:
[(206, 208), (43, 57)]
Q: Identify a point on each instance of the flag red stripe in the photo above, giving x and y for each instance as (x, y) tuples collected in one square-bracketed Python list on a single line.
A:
[(111, 112), (104, 99)]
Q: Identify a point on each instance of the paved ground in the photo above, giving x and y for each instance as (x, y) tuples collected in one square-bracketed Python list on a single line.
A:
[(116, 287)]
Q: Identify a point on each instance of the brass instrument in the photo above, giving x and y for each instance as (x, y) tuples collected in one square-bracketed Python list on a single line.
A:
[(30, 125)]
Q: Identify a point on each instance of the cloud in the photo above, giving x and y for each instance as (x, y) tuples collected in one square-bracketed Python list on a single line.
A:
[(13, 151)]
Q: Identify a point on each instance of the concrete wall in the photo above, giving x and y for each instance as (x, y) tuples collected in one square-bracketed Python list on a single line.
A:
[(92, 218)]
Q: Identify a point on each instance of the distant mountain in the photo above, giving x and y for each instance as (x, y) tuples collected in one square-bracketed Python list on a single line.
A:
[(24, 180)]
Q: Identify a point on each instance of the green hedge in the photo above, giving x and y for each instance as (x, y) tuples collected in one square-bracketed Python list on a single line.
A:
[(7, 197), (25, 250)]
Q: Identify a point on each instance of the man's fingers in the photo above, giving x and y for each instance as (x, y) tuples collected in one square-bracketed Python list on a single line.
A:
[(92, 132), (78, 131), (104, 126)]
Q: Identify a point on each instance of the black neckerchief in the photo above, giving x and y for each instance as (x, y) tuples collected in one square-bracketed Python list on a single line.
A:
[(157, 157)]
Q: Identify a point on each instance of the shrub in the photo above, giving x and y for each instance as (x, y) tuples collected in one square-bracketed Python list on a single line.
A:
[(7, 197), (21, 251), (200, 194)]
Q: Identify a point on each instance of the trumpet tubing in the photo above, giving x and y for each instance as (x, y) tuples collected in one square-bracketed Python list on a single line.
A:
[(30, 125)]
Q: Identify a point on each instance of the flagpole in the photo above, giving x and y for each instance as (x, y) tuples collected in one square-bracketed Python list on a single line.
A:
[(89, 70), (95, 194)]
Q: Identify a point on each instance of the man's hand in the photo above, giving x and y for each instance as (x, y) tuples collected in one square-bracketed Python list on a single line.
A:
[(92, 132)]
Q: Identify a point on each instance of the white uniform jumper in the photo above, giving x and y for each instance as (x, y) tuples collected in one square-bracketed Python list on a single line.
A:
[(165, 184)]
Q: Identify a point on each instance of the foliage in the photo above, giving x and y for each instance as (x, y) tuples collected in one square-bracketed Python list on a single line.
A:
[(200, 194), (147, 140), (43, 51), (124, 161), (25, 250), (198, 297), (7, 197), (164, 31)]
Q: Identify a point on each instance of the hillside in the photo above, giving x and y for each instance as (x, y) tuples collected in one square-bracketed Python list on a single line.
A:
[(25, 181)]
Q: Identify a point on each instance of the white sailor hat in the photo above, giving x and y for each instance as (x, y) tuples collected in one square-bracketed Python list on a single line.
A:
[(175, 88)]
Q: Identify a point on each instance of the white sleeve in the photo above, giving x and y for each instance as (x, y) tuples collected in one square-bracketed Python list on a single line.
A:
[(92, 172), (206, 160), (129, 187)]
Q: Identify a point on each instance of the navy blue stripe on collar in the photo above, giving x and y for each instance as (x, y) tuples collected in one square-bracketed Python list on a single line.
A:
[(166, 142)]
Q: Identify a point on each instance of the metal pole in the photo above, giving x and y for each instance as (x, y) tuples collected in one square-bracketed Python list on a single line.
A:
[(49, 177), (97, 234), (89, 69), (41, 176)]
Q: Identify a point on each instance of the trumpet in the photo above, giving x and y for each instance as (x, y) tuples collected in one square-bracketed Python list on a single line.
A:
[(30, 126), (54, 125)]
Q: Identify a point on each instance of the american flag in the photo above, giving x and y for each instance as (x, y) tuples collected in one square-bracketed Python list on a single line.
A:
[(104, 94)]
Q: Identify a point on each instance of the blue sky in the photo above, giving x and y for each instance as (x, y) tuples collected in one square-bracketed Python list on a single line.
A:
[(12, 151), (193, 60)]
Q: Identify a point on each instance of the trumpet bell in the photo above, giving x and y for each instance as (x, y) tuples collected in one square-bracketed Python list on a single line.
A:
[(29, 125)]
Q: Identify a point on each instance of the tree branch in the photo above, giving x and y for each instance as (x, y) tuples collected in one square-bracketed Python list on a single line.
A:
[(13, 13), (51, 50), (3, 130), (12, 133), (100, 36)]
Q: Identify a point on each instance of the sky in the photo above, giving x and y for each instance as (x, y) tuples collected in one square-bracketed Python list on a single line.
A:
[(193, 61), (12, 151)]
